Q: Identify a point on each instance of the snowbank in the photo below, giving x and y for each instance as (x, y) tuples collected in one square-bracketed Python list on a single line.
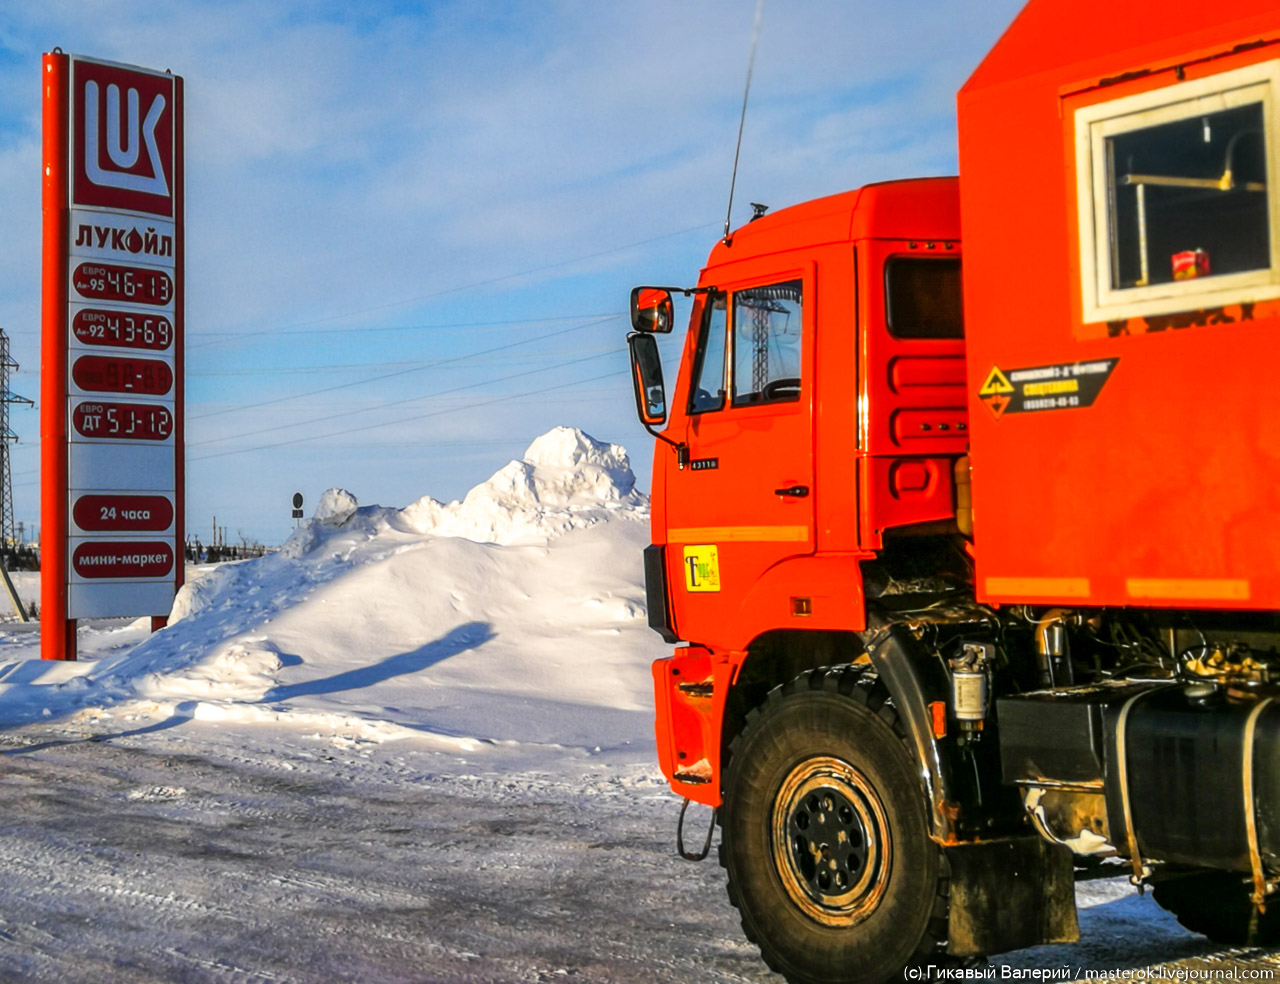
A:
[(515, 615)]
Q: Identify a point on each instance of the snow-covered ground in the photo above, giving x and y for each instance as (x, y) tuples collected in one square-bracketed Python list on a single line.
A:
[(415, 744)]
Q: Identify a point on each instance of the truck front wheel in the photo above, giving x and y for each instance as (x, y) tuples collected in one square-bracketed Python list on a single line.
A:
[(825, 835)]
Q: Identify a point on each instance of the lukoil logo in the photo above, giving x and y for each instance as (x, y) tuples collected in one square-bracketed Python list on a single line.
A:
[(122, 138), (123, 156)]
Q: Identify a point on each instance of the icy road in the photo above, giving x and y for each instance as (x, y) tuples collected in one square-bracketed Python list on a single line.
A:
[(171, 855)]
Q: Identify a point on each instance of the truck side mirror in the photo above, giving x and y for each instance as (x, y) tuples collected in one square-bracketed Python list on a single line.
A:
[(652, 310), (646, 377)]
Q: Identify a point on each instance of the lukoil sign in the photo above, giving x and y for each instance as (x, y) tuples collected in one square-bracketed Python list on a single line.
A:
[(112, 387)]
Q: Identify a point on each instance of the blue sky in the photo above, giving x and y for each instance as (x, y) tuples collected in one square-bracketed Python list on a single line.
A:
[(412, 227)]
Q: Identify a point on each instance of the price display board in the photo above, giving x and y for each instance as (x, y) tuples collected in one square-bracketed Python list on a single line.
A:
[(112, 351), (122, 329)]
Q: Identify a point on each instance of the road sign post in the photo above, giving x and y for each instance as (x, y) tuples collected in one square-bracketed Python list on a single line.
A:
[(112, 389)]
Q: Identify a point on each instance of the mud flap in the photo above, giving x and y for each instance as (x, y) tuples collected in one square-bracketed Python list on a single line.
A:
[(1008, 894)]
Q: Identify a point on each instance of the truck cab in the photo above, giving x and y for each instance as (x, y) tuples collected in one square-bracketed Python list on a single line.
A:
[(816, 430), (851, 303)]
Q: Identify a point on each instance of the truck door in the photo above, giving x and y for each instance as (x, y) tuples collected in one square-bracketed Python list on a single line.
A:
[(745, 499)]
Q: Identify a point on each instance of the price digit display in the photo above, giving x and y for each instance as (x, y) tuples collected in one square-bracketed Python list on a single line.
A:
[(109, 282), (122, 329), (106, 374), (123, 421)]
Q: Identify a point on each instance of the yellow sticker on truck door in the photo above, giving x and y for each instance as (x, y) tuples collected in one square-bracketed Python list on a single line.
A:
[(702, 568)]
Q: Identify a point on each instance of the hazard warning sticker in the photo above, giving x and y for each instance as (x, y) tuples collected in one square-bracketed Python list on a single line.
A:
[(1066, 386)]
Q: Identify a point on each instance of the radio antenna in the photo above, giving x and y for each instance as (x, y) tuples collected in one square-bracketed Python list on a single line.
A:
[(751, 61)]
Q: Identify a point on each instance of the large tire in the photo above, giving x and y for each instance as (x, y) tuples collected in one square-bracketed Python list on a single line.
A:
[(825, 835), (1216, 904)]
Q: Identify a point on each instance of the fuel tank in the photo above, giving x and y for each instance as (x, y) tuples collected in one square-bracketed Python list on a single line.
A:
[(1199, 759)]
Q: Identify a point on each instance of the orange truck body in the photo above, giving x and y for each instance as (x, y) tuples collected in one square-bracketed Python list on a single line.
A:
[(981, 476), (1160, 490)]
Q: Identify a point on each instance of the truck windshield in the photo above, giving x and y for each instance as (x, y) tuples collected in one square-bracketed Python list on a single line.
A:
[(708, 376)]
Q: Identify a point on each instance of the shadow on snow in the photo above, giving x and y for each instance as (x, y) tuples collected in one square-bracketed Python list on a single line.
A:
[(458, 640)]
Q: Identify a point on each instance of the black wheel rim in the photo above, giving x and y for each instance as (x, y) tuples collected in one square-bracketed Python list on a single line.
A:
[(831, 845)]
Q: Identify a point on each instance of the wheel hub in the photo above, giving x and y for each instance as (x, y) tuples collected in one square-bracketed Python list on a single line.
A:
[(830, 841)]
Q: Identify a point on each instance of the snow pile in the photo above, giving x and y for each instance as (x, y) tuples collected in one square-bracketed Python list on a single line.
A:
[(335, 507), (566, 480), (516, 615)]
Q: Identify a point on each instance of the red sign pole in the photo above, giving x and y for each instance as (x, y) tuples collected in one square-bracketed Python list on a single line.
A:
[(179, 346), (57, 632)]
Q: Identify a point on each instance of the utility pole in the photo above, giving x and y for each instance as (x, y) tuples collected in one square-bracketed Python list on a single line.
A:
[(8, 529), (7, 438)]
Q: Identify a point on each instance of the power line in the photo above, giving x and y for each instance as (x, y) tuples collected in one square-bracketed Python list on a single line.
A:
[(410, 399), (496, 358), (400, 372), (404, 420), (308, 327), (233, 337), (505, 277), (669, 368)]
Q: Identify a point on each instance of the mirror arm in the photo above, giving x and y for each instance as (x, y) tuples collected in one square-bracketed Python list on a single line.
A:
[(688, 291), (682, 449)]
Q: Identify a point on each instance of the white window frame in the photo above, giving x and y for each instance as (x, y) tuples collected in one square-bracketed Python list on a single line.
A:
[(1101, 300)]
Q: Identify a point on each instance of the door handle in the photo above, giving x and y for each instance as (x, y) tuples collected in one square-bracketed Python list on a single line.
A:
[(794, 492)]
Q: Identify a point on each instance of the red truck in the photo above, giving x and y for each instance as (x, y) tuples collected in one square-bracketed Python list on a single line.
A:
[(966, 512)]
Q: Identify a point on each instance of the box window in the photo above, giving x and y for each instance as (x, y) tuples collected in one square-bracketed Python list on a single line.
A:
[(1197, 185), (1177, 197)]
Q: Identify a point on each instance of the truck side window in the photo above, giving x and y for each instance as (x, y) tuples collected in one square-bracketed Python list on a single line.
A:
[(707, 392), (766, 344), (923, 299)]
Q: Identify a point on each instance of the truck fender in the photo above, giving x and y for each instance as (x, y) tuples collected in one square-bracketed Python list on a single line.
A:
[(830, 586), (914, 679)]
